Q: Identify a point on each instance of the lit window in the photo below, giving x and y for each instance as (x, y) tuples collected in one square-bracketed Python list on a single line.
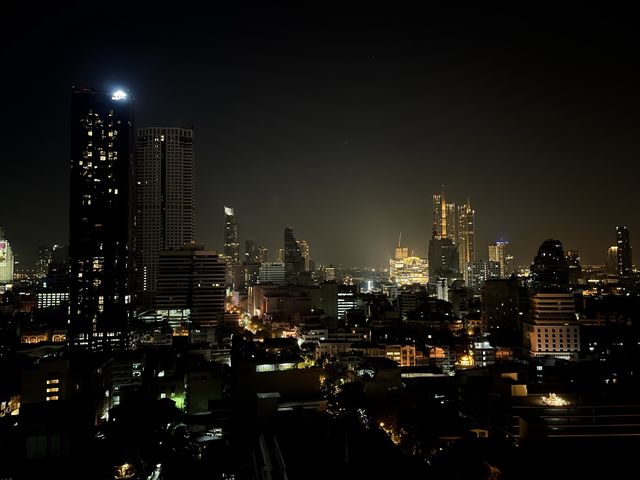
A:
[(53, 381), (53, 397), (52, 389)]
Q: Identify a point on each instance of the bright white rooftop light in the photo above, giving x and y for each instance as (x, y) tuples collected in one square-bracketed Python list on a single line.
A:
[(118, 95)]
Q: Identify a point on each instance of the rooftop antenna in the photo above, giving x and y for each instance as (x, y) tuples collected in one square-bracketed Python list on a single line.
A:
[(400, 240)]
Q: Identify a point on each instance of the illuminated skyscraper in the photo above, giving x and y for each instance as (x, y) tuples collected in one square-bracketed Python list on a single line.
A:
[(101, 219), (624, 251), (304, 251), (231, 237), (499, 252), (439, 215), (465, 235), (165, 199)]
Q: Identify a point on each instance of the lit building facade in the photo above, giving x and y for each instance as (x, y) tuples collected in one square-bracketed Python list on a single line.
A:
[(306, 255), (6, 260), (552, 329), (165, 199), (481, 271), (271, 272), (101, 218), (465, 235), (499, 252), (409, 271)]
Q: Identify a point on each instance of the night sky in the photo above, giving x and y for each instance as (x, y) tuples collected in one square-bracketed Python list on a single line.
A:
[(343, 121)]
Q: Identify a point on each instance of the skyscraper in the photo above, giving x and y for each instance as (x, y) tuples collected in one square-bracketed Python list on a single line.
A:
[(624, 251), (550, 272), (43, 261), (101, 219), (231, 236), (192, 279), (293, 261), (439, 215), (499, 252), (465, 234), (304, 251), (165, 199)]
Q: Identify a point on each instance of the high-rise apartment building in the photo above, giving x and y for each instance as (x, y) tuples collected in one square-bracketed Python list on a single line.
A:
[(480, 271), (165, 212), (101, 218)]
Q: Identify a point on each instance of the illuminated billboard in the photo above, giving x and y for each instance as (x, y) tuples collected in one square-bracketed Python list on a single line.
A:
[(4, 247)]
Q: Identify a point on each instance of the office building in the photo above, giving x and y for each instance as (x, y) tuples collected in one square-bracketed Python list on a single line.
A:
[(443, 259), (101, 218), (165, 213), (192, 279), (293, 260), (550, 272), (271, 272)]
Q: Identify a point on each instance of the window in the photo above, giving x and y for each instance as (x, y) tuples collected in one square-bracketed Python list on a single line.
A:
[(52, 389), (52, 398), (53, 381)]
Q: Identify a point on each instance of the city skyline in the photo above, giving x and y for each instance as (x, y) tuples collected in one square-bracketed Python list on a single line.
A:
[(394, 104)]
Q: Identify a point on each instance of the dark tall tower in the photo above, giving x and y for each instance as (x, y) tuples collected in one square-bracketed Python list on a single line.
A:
[(293, 260), (165, 200), (624, 251), (550, 272), (101, 219), (231, 237)]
